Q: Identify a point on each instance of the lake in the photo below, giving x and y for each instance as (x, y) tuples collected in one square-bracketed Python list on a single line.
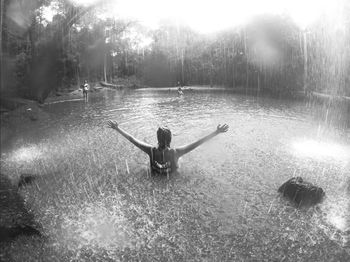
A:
[(95, 199)]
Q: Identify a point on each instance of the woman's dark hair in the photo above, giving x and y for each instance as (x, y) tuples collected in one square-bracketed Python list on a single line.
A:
[(164, 137)]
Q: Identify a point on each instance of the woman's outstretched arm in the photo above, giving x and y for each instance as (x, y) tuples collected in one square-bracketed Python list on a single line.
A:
[(140, 144), (185, 149)]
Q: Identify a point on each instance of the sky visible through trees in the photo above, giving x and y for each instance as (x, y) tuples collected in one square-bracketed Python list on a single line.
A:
[(209, 16)]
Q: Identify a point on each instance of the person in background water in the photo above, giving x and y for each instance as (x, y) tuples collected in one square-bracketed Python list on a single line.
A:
[(164, 159), (179, 89), (86, 88)]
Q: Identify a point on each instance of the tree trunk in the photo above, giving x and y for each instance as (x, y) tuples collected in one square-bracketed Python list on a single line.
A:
[(305, 62), (233, 66), (225, 64), (78, 76), (126, 63), (105, 68), (1, 55), (258, 83), (246, 57), (182, 67)]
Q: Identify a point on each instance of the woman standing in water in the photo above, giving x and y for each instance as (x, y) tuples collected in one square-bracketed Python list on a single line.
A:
[(164, 159)]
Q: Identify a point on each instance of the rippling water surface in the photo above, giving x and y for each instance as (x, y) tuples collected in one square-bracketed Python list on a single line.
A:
[(95, 199)]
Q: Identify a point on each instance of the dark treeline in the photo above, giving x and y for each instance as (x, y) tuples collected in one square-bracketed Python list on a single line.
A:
[(265, 54), (268, 54)]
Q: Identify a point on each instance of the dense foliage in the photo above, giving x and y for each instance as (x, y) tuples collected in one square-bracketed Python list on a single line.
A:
[(268, 54)]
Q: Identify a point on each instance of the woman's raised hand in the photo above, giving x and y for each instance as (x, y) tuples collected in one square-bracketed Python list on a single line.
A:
[(112, 124), (222, 128)]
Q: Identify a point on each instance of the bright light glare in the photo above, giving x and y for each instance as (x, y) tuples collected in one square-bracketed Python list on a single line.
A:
[(84, 2), (338, 214), (137, 40), (321, 150), (338, 221), (26, 154), (48, 12), (208, 15)]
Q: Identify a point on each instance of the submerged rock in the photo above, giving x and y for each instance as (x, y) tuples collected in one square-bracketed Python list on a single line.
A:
[(301, 192)]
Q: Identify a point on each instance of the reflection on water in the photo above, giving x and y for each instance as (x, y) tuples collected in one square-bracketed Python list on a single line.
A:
[(96, 195)]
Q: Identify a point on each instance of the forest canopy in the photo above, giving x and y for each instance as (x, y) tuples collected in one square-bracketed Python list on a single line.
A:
[(47, 45)]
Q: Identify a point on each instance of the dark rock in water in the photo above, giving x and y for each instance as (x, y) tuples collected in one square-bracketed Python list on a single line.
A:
[(25, 179), (301, 192), (15, 219)]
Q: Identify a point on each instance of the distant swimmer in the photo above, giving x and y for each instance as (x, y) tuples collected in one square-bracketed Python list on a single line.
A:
[(163, 158), (179, 89)]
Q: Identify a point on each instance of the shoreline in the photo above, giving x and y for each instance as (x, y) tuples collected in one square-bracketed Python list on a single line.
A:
[(9, 104), (19, 112)]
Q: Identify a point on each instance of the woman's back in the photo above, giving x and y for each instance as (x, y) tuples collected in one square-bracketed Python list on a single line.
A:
[(163, 160)]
